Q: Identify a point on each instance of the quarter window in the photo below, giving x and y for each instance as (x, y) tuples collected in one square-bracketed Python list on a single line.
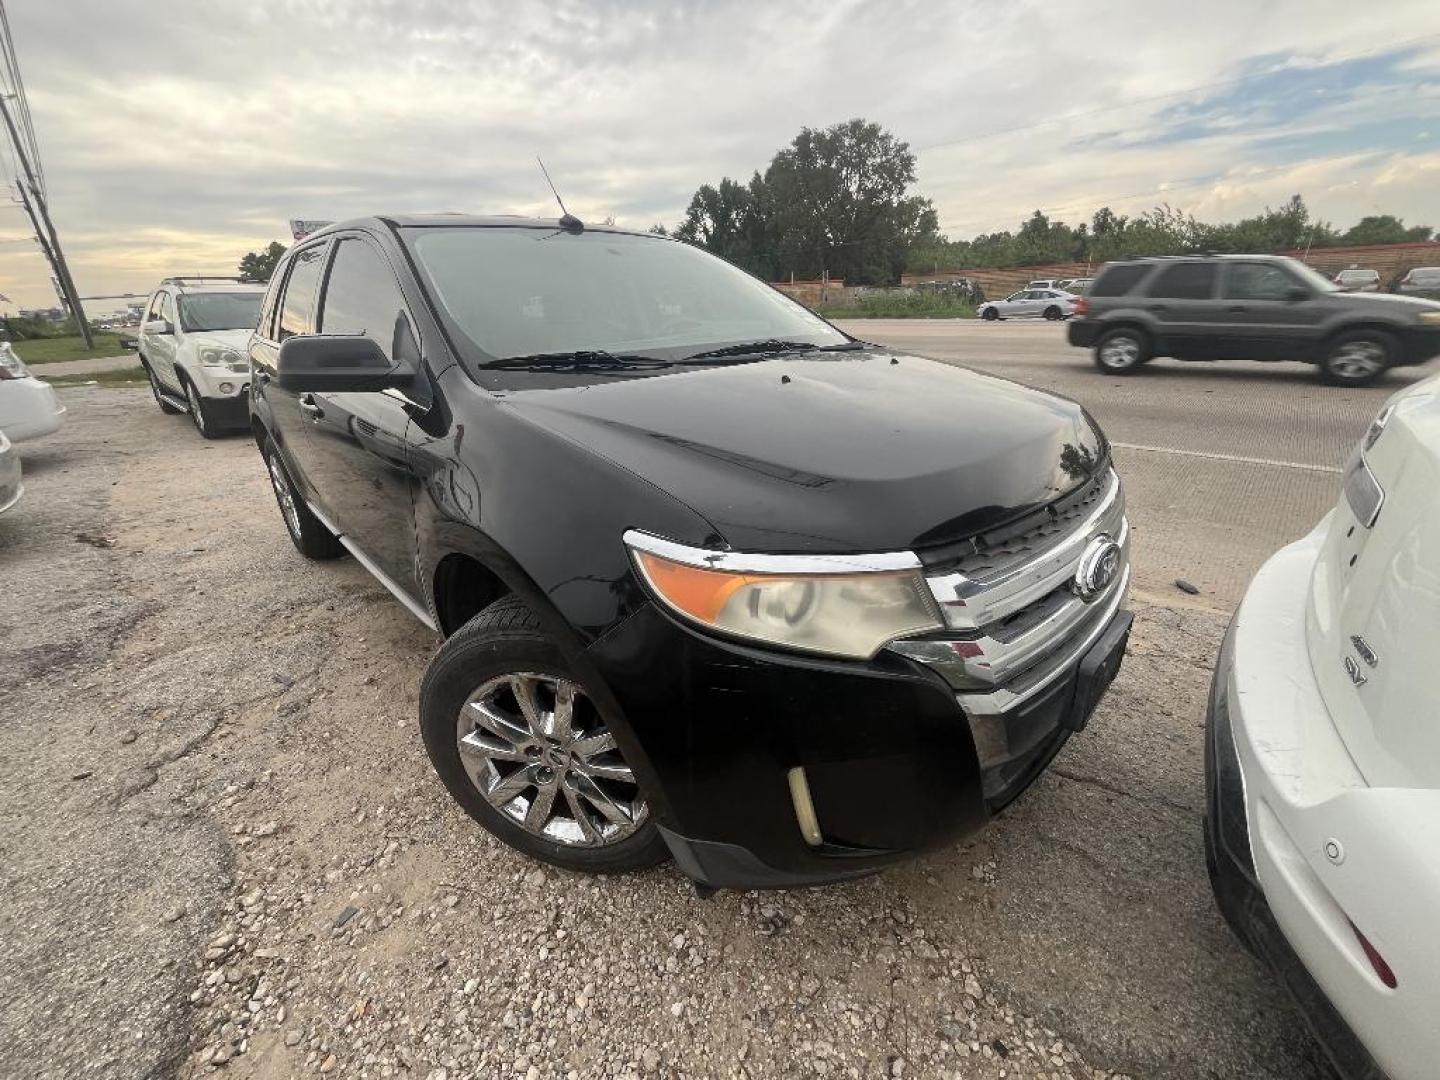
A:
[(1119, 279), (1258, 281), (297, 310), (1185, 281), (362, 297)]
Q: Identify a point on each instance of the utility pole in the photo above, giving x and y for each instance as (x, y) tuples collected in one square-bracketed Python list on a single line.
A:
[(39, 213)]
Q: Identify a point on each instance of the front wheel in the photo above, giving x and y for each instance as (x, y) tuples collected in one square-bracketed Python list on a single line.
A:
[(1357, 358), (1053, 313), (528, 753), (989, 314), (197, 411), (1121, 351)]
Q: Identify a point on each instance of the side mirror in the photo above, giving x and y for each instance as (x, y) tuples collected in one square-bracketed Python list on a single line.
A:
[(158, 326), (1296, 293), (319, 364)]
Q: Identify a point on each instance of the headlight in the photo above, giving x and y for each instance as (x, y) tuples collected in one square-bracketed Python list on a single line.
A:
[(840, 605), (1431, 317), (214, 356)]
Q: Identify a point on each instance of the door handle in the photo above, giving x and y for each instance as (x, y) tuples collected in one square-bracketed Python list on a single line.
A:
[(310, 407)]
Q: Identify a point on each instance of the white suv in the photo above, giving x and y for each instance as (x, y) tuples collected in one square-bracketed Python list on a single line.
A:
[(1323, 757), (192, 346)]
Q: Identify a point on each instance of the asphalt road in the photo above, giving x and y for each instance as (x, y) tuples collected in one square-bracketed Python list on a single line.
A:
[(205, 739), (1223, 462)]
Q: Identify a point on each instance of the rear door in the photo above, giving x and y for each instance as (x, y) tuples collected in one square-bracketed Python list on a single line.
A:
[(1182, 299), (360, 466), (1262, 304), (294, 313)]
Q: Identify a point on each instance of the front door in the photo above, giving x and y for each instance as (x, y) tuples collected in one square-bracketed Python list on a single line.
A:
[(291, 312), (357, 440), (1264, 301), (160, 348)]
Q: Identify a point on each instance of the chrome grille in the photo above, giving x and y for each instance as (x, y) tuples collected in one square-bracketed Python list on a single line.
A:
[(1016, 625)]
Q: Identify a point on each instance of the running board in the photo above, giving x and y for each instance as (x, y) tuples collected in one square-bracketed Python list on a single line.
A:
[(375, 571), (174, 402)]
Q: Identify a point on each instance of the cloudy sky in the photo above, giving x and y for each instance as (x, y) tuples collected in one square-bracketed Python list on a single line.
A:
[(177, 136)]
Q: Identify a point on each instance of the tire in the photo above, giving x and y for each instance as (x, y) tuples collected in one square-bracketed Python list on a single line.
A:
[(203, 424), (311, 538), (165, 406), (493, 659), (1121, 351), (1357, 358), (989, 314), (1053, 313)]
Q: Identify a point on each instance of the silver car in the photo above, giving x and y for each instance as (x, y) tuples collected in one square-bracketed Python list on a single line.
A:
[(1031, 304), (10, 486), (1422, 281)]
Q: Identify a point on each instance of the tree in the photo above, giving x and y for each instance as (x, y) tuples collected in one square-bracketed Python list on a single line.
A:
[(257, 266), (1384, 229)]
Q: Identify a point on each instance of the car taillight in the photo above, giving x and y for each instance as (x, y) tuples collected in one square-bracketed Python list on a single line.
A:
[(1382, 969), (1082, 306)]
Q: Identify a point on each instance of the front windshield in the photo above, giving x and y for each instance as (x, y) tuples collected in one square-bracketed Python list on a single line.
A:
[(518, 292), (220, 311), (1312, 278)]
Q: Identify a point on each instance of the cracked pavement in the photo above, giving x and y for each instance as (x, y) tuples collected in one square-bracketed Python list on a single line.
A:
[(208, 757)]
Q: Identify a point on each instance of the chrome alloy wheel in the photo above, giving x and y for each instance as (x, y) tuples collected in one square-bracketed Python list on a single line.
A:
[(537, 750), (1358, 359), (283, 495), (196, 412), (1120, 351)]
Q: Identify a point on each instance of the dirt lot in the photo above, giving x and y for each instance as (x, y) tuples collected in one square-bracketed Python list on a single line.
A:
[(222, 849)]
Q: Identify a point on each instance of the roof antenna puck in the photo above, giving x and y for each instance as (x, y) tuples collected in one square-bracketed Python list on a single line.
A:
[(568, 221)]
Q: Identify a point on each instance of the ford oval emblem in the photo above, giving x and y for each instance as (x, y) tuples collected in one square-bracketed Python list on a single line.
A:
[(1098, 567)]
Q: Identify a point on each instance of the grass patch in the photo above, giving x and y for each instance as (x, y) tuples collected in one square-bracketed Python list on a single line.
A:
[(123, 377), (53, 350), (900, 306)]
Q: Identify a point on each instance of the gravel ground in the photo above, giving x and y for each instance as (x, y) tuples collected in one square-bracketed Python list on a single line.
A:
[(222, 850)]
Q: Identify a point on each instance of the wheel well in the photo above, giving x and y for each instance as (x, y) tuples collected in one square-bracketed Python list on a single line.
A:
[(1134, 327), (464, 588), (1350, 328)]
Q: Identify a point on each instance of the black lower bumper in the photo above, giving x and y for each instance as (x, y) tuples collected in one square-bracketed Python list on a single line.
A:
[(885, 749), (1419, 345), (1082, 332), (1241, 900), (229, 413)]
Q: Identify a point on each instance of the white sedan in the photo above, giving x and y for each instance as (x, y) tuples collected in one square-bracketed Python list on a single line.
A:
[(10, 486), (28, 407), (1323, 757), (1031, 304)]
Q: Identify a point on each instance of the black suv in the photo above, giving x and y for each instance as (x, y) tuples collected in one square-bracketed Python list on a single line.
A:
[(1249, 307), (716, 580)]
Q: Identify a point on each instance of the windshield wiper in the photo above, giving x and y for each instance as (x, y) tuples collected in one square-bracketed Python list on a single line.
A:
[(773, 345), (579, 360)]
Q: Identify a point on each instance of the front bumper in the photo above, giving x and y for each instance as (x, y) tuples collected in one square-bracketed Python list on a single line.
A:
[(887, 754), (1419, 344), (1301, 850)]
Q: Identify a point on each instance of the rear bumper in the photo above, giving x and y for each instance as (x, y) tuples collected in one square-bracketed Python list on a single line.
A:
[(1082, 332), (31, 408), (885, 749)]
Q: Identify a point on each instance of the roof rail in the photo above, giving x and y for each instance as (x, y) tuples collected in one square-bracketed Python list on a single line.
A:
[(199, 279)]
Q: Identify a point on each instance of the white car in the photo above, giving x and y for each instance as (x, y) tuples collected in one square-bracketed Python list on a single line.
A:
[(29, 407), (1357, 280), (1323, 757), (11, 487), (1030, 304), (192, 345)]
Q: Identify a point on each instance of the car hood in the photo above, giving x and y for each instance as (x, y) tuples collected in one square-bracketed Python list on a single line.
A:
[(833, 452), (228, 339)]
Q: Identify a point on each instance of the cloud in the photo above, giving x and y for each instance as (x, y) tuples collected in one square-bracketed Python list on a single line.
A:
[(177, 139)]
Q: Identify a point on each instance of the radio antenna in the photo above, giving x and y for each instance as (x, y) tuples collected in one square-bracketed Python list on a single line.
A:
[(568, 221)]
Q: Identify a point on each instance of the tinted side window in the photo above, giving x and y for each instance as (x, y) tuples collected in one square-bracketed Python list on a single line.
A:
[(1119, 279), (1185, 281), (297, 310), (266, 327), (361, 297), (167, 308), (1258, 281), (153, 311)]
